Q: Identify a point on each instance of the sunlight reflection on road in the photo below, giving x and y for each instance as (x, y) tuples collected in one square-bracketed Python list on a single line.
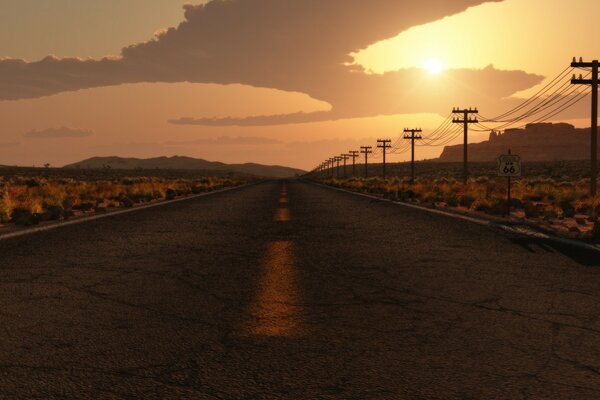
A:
[(282, 215), (276, 312)]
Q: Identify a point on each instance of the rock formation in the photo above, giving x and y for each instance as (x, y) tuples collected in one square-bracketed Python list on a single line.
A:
[(537, 142)]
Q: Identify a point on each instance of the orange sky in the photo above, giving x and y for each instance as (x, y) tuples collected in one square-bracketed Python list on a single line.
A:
[(132, 119)]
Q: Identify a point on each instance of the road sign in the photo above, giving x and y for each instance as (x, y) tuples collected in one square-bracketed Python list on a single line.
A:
[(509, 165)]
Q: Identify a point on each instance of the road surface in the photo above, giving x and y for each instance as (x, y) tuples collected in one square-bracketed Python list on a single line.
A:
[(295, 291)]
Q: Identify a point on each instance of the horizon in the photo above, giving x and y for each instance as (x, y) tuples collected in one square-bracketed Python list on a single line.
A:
[(62, 101)]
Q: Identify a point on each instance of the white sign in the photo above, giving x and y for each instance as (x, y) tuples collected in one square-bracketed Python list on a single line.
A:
[(509, 165)]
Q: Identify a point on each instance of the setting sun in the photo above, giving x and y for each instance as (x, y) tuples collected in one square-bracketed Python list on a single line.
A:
[(434, 66)]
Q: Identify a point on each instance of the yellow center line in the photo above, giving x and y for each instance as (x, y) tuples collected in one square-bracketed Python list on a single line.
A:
[(275, 310), (283, 215)]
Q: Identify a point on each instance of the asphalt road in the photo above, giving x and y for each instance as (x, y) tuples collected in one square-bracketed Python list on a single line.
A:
[(294, 291)]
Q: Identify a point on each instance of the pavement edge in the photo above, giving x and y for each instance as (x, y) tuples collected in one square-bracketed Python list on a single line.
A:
[(478, 221)]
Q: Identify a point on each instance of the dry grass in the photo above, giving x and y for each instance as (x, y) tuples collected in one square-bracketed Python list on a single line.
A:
[(536, 197), (30, 199)]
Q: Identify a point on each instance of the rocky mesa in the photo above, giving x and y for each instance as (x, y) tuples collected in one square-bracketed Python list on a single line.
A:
[(535, 142)]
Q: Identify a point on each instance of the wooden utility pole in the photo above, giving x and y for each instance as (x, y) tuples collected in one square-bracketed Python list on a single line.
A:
[(366, 150), (331, 163), (466, 120), (345, 159), (384, 144), (354, 154), (415, 134), (337, 170), (594, 126)]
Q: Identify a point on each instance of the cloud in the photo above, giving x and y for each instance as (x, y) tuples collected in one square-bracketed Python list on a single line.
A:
[(294, 45), (406, 91), (58, 133), (228, 141), (263, 120)]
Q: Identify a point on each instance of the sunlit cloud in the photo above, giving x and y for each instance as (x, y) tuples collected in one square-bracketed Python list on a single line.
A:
[(310, 53)]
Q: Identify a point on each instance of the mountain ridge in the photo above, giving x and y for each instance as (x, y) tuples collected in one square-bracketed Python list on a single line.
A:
[(184, 163)]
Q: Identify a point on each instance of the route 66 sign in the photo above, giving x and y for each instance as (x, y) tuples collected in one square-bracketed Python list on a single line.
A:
[(509, 165)]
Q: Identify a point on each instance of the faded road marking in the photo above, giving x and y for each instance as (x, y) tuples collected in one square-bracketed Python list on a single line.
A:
[(283, 214), (275, 311)]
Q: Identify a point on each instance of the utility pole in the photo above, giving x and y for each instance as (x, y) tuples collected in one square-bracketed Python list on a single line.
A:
[(466, 120), (338, 159), (331, 163), (354, 154), (345, 158), (384, 144), (366, 150), (412, 137), (594, 126)]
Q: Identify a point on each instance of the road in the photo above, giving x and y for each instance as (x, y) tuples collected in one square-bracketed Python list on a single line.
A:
[(294, 291)]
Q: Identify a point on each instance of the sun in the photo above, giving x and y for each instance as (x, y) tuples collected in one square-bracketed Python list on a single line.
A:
[(434, 66)]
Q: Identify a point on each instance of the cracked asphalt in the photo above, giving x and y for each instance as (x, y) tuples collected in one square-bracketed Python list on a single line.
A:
[(295, 291)]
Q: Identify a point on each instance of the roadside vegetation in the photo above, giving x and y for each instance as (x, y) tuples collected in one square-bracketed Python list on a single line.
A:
[(28, 197), (560, 203)]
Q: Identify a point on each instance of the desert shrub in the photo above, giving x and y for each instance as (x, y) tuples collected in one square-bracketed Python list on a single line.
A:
[(54, 198), (52, 213), (498, 206), (516, 203), (531, 210), (170, 194), (451, 199), (482, 205), (127, 202), (466, 201), (22, 216), (536, 196), (431, 197), (595, 232)]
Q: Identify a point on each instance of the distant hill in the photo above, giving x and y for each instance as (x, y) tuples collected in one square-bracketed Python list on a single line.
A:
[(536, 142), (185, 163)]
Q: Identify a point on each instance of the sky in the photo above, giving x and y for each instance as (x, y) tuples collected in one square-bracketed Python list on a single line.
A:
[(270, 81)]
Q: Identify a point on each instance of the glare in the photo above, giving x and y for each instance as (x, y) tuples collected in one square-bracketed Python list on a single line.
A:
[(434, 66)]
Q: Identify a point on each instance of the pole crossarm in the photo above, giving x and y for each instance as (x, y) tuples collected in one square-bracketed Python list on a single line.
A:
[(384, 144), (465, 120), (414, 133)]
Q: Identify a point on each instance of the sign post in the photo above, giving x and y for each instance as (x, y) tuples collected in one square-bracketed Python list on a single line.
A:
[(509, 165)]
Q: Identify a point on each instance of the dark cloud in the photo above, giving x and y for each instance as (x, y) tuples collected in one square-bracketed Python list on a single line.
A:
[(57, 133), (294, 45)]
